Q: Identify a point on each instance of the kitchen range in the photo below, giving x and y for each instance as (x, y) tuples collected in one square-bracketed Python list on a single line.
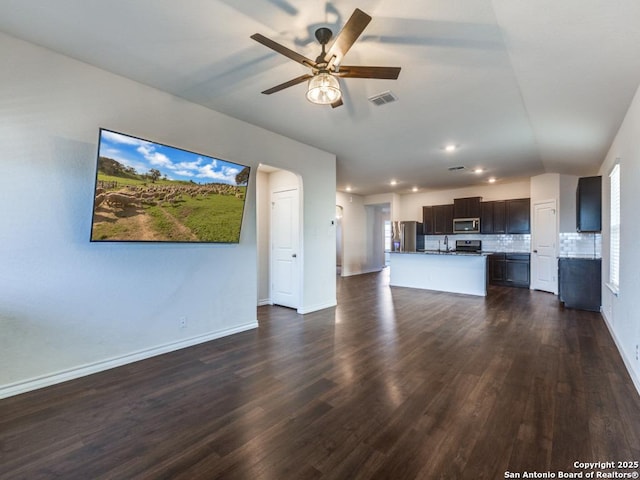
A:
[(469, 246)]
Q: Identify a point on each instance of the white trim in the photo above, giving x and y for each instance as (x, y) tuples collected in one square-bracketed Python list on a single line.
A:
[(315, 308), (91, 368), (299, 266), (361, 272), (264, 301), (533, 265), (614, 289), (627, 361), (615, 221)]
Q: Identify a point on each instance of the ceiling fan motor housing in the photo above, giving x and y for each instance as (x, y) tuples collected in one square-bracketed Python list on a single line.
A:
[(323, 35)]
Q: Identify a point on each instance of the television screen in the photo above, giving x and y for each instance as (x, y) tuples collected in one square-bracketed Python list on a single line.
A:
[(150, 192)]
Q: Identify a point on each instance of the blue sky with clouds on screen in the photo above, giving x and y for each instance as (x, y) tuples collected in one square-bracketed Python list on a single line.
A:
[(176, 164)]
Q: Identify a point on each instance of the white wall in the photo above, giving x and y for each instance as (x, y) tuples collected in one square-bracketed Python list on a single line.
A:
[(354, 233), (282, 180), (410, 205), (377, 215), (562, 189), (621, 312), (362, 232), (567, 209), (69, 307), (392, 200), (263, 238), (546, 187)]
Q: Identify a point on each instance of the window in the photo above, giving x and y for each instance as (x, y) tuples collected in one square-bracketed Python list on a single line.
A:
[(614, 232), (387, 236)]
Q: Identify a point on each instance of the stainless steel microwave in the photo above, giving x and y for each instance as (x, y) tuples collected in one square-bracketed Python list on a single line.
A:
[(466, 225)]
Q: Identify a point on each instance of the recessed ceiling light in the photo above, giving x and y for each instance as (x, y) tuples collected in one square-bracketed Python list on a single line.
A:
[(348, 189), (414, 189), (478, 170), (492, 180), (394, 182), (450, 148)]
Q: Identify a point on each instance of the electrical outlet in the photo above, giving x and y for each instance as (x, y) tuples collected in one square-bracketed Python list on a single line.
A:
[(182, 322), (637, 353)]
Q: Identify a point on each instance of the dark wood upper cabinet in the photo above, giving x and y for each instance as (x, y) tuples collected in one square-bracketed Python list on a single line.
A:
[(519, 215), (499, 216), (486, 217), (589, 204), (466, 207), (442, 219), (427, 220), (493, 217)]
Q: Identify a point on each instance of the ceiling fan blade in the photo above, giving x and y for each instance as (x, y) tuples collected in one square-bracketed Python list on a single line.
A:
[(288, 84), (281, 49), (337, 103), (389, 73), (347, 36)]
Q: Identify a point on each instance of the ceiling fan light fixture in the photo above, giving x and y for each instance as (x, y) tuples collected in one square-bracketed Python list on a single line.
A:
[(324, 89)]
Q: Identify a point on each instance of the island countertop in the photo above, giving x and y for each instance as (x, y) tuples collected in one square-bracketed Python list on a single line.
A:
[(455, 272), (443, 252)]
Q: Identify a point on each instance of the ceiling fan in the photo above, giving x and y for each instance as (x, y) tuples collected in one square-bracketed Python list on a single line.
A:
[(324, 88)]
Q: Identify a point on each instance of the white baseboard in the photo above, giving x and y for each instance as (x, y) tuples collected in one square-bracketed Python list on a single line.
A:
[(88, 369), (264, 301), (627, 361), (361, 272), (315, 308)]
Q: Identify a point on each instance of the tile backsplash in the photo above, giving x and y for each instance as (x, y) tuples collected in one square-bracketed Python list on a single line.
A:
[(490, 243), (580, 245)]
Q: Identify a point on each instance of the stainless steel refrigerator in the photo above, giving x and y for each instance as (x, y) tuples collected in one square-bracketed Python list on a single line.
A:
[(407, 236)]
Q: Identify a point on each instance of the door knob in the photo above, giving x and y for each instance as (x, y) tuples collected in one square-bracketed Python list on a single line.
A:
[(535, 251), (294, 255)]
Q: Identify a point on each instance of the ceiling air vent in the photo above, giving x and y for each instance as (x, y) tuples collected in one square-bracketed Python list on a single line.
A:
[(455, 169), (383, 98)]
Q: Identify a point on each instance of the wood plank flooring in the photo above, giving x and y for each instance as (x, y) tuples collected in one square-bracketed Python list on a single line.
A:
[(394, 383)]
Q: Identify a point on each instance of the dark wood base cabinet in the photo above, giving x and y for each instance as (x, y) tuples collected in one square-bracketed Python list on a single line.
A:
[(509, 269), (580, 281)]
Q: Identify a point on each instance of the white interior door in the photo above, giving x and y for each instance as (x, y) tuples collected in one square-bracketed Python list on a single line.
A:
[(285, 284), (544, 262)]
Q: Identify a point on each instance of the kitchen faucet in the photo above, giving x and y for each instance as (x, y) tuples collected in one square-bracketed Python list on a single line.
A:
[(446, 243)]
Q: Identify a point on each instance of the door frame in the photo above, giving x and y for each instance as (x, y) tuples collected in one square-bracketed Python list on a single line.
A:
[(264, 191), (534, 258), (299, 257)]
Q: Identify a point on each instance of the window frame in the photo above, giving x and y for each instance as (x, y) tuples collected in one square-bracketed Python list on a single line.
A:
[(614, 228)]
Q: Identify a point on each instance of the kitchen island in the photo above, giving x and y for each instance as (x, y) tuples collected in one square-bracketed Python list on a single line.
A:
[(453, 272)]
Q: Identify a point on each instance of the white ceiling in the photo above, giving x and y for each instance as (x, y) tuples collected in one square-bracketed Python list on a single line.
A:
[(521, 87)]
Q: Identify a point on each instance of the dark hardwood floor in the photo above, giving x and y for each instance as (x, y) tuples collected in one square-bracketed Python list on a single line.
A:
[(394, 383)]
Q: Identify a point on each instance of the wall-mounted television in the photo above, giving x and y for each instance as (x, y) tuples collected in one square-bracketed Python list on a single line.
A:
[(149, 192)]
